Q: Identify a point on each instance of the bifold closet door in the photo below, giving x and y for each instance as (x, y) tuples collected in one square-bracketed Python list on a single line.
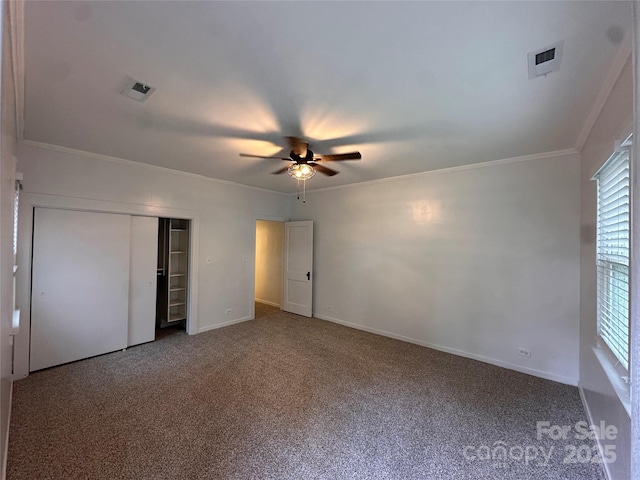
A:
[(80, 285)]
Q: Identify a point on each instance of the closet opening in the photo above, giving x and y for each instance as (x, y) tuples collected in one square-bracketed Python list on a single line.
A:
[(172, 306)]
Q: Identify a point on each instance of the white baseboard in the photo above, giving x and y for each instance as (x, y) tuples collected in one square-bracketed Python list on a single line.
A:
[(267, 302), (481, 358), (585, 404), (206, 328)]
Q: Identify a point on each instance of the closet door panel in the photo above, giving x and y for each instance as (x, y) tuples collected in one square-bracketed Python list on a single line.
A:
[(80, 285), (143, 280)]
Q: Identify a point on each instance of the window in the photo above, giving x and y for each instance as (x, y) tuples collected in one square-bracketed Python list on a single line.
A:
[(15, 326), (16, 201), (612, 254)]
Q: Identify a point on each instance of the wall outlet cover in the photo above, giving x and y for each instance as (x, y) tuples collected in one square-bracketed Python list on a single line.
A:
[(523, 352)]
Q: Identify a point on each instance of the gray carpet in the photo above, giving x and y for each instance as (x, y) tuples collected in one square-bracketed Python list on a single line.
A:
[(286, 397)]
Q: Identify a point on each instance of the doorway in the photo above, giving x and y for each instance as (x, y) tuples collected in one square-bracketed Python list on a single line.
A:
[(284, 266), (269, 264), (172, 298)]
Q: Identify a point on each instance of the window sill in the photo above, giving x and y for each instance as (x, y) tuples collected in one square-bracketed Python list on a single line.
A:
[(617, 382)]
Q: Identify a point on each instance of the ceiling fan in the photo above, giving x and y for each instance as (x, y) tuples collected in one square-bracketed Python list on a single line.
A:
[(305, 162)]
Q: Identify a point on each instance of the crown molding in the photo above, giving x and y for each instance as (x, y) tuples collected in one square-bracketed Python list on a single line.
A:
[(15, 10), (492, 163), (156, 168), (122, 161), (619, 61)]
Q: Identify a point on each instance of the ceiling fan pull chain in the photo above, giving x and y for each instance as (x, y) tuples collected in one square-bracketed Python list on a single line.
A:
[(298, 189), (304, 191)]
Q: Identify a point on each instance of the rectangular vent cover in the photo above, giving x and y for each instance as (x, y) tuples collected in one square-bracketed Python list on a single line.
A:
[(542, 57), (545, 60), (143, 89), (134, 89)]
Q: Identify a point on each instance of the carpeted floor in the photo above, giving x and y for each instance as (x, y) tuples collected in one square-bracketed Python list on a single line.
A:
[(287, 397)]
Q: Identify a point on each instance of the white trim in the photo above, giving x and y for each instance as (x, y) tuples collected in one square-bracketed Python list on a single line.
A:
[(107, 158), (493, 361), (225, 324), (585, 404), (267, 302), (16, 36), (607, 362), (29, 201), (47, 200), (460, 168), (492, 163), (272, 218), (619, 61)]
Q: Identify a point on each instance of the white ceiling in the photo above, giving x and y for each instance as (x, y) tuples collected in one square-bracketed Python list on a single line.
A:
[(414, 86)]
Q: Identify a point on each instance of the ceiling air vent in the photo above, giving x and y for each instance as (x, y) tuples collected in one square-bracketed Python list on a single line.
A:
[(546, 60), (136, 90)]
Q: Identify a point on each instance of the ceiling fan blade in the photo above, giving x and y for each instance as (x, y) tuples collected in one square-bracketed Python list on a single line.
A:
[(298, 146), (323, 169), (282, 170), (261, 156), (338, 157)]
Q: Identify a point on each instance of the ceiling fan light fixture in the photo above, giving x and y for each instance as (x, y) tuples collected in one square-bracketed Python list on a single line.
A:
[(301, 171)]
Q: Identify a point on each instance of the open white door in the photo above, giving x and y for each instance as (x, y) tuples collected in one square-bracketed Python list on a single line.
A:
[(298, 267), (80, 291)]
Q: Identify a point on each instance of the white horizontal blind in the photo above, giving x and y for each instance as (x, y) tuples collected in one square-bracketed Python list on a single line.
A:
[(613, 255), (16, 200)]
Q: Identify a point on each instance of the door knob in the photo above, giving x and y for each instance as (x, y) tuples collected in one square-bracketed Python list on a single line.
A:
[(308, 275)]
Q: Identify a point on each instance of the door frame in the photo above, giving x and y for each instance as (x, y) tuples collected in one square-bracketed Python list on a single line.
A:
[(267, 218), (30, 201)]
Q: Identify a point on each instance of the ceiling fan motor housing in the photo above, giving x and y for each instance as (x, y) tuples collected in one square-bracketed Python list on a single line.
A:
[(305, 161), (302, 160)]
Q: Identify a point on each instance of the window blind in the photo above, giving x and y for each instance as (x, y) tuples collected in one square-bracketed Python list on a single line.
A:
[(16, 201), (613, 255)]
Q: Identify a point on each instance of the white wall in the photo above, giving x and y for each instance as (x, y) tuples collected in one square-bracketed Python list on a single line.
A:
[(476, 261), (614, 123), (269, 262), (7, 179), (224, 218)]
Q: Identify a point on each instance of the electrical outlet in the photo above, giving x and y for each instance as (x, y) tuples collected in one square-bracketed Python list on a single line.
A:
[(523, 352), (228, 311)]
